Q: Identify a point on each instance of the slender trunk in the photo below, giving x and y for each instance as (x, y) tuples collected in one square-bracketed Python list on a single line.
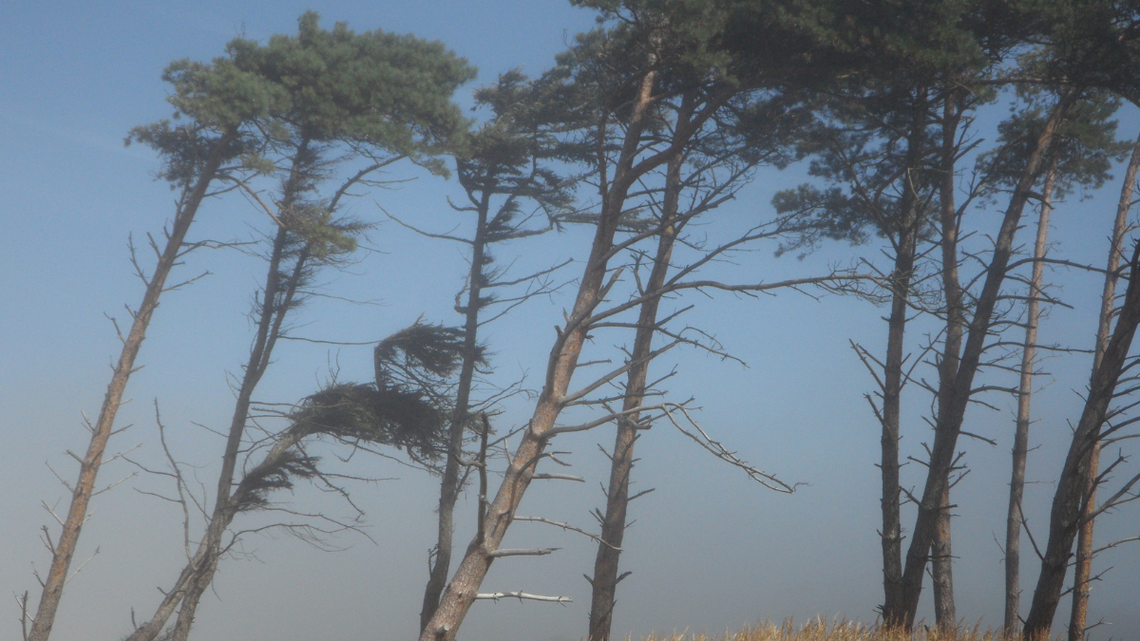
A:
[(277, 299), (450, 484), (606, 577), (1021, 430), (942, 562), (906, 251), (1082, 566), (226, 508), (1083, 571), (1065, 517), (942, 568), (64, 548), (949, 424), (891, 535)]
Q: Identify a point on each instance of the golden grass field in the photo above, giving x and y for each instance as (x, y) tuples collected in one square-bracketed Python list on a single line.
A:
[(820, 630)]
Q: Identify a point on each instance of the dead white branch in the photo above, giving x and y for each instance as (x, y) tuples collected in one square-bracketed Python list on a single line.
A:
[(523, 596), (498, 554), (567, 526)]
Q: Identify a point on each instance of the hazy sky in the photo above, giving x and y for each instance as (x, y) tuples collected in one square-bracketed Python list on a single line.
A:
[(710, 550)]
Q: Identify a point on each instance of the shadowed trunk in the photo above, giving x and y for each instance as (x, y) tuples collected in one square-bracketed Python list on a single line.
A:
[(942, 554), (605, 579), (1065, 517), (463, 588), (942, 568), (906, 250), (277, 299), (450, 484), (461, 591)]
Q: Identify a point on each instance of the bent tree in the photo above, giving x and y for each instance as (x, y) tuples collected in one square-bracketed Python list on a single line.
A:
[(220, 102), (372, 98), (505, 170)]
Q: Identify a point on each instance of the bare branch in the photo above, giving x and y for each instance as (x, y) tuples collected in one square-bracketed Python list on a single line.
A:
[(521, 596)]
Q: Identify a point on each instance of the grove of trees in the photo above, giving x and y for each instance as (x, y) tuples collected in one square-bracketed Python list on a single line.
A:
[(924, 146)]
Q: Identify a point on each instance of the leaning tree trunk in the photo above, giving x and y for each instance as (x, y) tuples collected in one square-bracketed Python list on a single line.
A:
[(277, 299), (906, 252), (450, 484), (941, 551), (1083, 566), (1066, 515), (65, 546), (605, 579), (461, 591), (949, 425), (463, 588), (1013, 517)]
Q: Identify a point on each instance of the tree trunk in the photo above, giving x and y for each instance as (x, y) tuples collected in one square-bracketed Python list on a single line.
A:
[(1021, 430), (89, 468), (1065, 517), (605, 580), (450, 484), (1083, 570), (199, 571), (463, 588), (949, 425), (942, 568), (943, 579), (906, 250), (461, 591), (226, 507)]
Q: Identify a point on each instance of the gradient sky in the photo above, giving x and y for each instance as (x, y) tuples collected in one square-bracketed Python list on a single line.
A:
[(709, 551)]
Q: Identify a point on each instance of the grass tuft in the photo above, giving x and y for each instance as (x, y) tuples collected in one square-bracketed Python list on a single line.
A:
[(821, 630)]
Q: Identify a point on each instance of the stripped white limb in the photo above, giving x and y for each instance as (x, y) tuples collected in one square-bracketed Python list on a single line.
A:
[(718, 450), (51, 512), (558, 477), (567, 526), (498, 554), (523, 596)]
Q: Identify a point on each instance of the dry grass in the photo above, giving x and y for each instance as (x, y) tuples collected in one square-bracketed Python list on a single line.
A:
[(820, 630)]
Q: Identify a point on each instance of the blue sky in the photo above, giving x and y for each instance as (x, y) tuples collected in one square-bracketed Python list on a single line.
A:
[(709, 550)]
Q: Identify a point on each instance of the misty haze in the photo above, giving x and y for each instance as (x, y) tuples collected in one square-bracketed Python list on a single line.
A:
[(670, 320)]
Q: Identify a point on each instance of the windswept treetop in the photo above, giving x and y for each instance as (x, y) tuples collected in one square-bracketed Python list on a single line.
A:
[(376, 88)]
